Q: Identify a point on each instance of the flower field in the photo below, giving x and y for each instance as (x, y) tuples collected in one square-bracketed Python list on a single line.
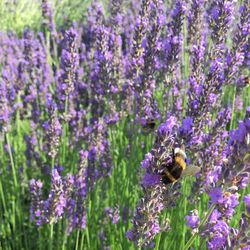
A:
[(125, 125)]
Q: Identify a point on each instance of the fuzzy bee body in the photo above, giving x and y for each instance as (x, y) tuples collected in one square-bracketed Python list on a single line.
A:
[(177, 168), (173, 171), (149, 126)]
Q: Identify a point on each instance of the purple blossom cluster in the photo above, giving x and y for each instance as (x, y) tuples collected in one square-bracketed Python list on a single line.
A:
[(48, 18), (154, 66), (67, 196), (113, 214)]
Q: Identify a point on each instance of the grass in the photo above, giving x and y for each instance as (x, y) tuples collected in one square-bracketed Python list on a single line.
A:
[(17, 15)]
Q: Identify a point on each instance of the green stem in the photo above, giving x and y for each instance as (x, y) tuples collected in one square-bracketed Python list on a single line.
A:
[(11, 160), (233, 107), (52, 225), (51, 236), (18, 117), (204, 220), (77, 239), (65, 130), (3, 198), (64, 238), (82, 241), (87, 229), (52, 162)]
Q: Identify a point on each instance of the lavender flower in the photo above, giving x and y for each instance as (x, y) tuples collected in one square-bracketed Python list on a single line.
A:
[(99, 158), (216, 142), (197, 53), (172, 43), (146, 102), (157, 196), (95, 18), (210, 88), (48, 18), (69, 187), (235, 57), (238, 154), (193, 219), (146, 222), (82, 188), (194, 17), (116, 12), (247, 200), (69, 65), (37, 205), (239, 238), (137, 53), (113, 214), (56, 202), (101, 74), (5, 111), (219, 233), (220, 17), (54, 129)]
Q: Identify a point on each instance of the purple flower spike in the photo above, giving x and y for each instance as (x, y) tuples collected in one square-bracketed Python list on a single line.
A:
[(216, 195), (219, 234), (193, 219), (151, 180), (48, 17), (247, 200)]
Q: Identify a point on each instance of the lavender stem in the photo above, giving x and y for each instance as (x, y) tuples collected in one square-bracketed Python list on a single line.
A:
[(204, 220), (11, 160)]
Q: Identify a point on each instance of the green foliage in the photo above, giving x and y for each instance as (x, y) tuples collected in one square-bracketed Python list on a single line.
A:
[(70, 11), (16, 15)]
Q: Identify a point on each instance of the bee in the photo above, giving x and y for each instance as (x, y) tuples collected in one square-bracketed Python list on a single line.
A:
[(149, 126), (177, 168), (247, 80)]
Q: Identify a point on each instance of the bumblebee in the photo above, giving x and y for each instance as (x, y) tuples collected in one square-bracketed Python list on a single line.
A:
[(173, 171), (149, 126), (177, 168)]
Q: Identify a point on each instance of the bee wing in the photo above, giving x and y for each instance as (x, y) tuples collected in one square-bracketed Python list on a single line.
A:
[(190, 171), (246, 158)]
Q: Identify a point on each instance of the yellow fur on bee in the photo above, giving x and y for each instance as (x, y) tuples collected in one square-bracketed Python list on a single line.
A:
[(180, 161)]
